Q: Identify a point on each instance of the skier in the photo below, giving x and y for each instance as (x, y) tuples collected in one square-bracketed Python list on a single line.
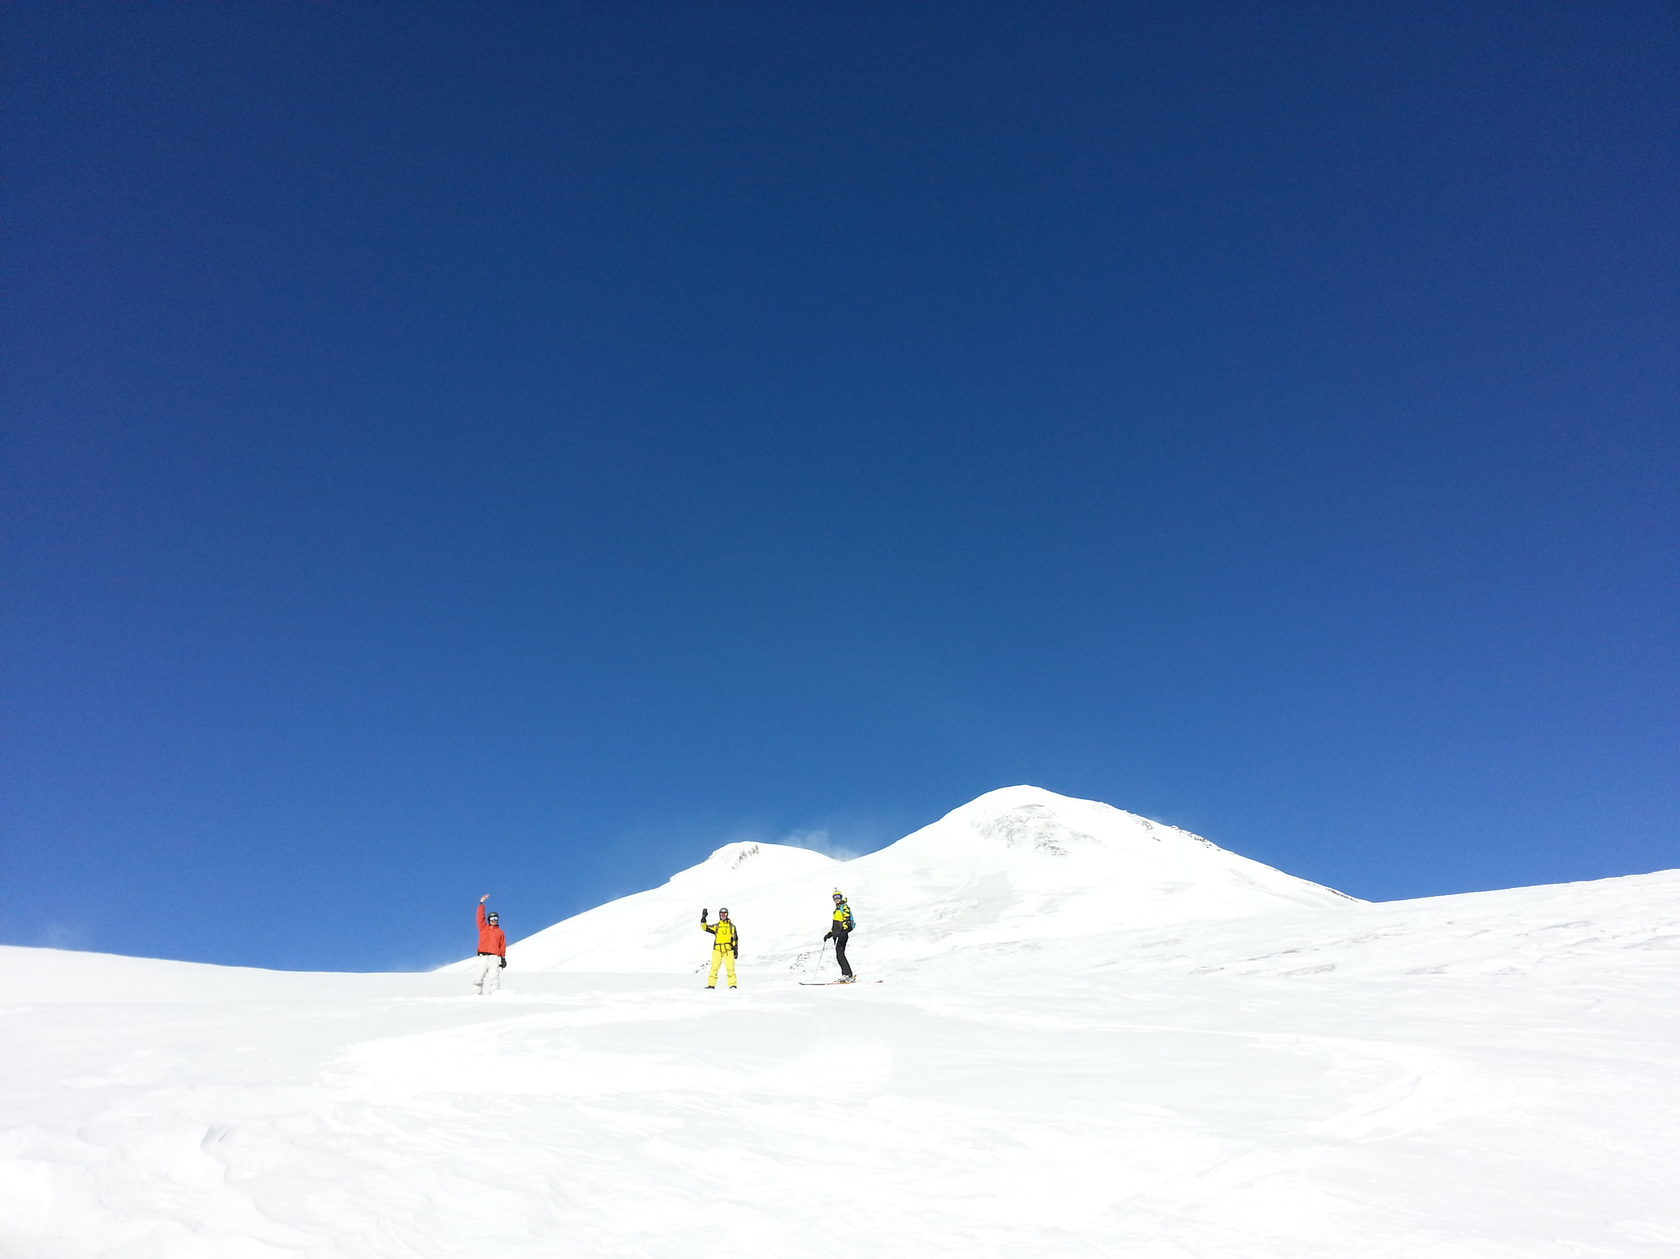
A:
[(726, 945), (843, 924), (492, 950)]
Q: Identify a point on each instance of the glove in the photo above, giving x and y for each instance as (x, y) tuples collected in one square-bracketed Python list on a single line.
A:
[(504, 963), (484, 898), (703, 915), (829, 936)]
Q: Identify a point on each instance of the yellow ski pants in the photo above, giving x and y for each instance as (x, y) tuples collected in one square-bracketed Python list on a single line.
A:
[(722, 955)]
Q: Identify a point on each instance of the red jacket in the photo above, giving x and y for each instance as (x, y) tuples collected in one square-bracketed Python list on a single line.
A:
[(490, 939)]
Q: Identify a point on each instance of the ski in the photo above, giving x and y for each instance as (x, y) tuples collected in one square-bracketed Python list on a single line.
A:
[(829, 983)]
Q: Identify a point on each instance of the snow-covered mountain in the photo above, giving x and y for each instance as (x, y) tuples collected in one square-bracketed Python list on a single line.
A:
[(659, 930), (1094, 1036), (1020, 863)]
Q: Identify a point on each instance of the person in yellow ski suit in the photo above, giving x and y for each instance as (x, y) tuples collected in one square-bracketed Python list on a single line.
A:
[(844, 924), (726, 945)]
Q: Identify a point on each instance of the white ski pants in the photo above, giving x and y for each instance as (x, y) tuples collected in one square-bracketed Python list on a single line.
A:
[(488, 978)]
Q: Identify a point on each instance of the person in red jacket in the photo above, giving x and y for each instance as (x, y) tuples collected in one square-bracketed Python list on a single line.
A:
[(492, 950)]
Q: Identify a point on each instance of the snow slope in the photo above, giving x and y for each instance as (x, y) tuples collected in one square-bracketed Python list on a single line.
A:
[(659, 930), (1487, 1076)]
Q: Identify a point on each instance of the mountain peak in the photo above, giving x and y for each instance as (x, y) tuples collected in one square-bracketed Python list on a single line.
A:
[(1029, 818), (734, 856), (1018, 863), (1034, 819), (748, 862)]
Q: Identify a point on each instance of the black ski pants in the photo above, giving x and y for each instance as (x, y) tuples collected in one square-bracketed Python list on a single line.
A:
[(840, 952)]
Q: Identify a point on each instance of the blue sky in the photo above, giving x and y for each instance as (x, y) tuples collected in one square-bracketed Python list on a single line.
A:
[(519, 448)]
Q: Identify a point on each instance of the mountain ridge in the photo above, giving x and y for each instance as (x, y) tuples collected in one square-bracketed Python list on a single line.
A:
[(1017, 862)]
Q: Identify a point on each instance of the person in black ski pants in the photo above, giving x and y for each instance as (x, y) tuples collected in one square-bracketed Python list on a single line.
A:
[(842, 928)]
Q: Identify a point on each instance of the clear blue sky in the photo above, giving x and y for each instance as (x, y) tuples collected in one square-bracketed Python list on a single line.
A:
[(518, 448)]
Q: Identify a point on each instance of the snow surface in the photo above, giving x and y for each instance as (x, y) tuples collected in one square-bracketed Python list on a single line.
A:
[(1193, 1056)]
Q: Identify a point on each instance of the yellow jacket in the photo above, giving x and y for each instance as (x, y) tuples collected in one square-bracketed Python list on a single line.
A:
[(726, 935)]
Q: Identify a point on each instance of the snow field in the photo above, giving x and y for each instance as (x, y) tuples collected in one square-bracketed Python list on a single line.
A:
[(1096, 1036), (1201, 1094)]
